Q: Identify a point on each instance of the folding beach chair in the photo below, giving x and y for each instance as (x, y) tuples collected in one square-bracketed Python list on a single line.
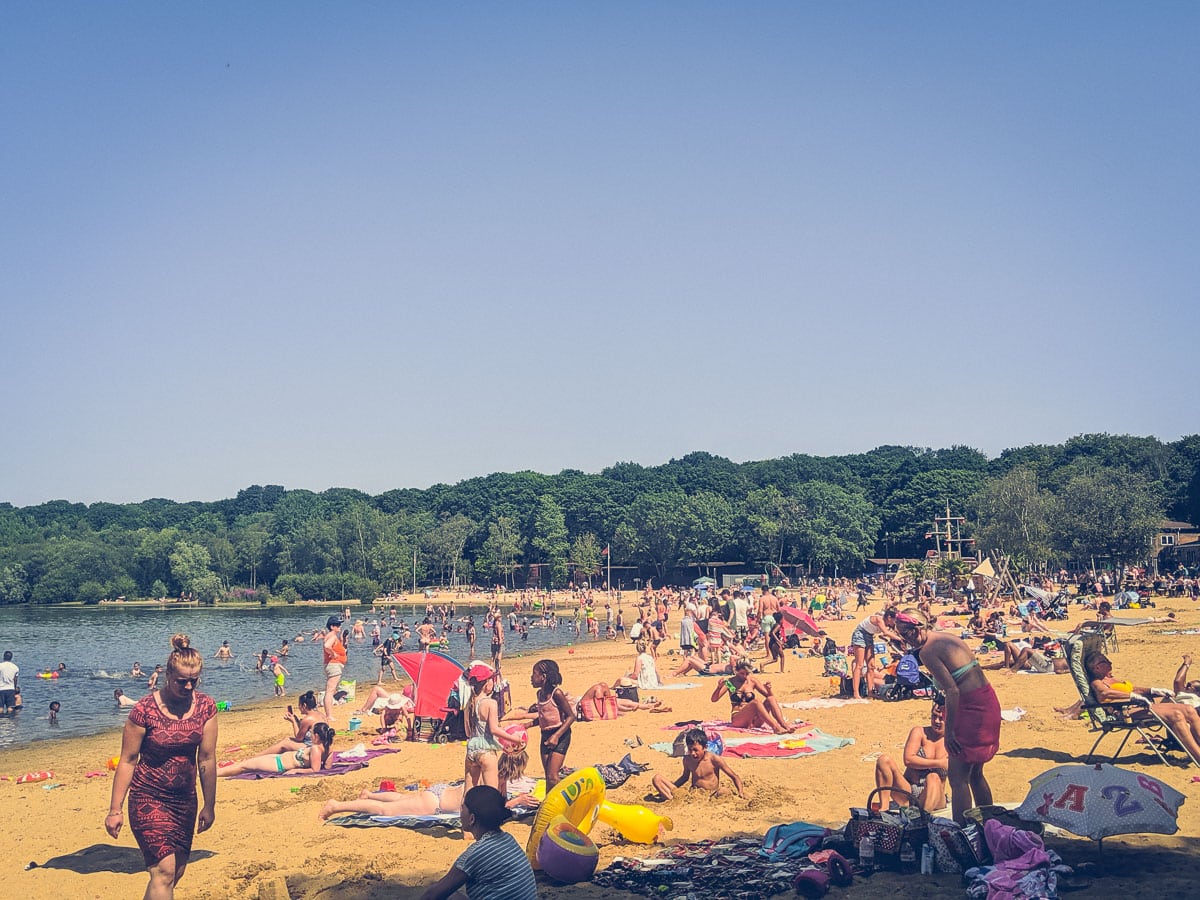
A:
[(1126, 717)]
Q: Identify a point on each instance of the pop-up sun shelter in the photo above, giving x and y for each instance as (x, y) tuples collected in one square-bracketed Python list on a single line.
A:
[(433, 674)]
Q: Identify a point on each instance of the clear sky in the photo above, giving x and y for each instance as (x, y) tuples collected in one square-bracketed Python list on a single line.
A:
[(381, 245)]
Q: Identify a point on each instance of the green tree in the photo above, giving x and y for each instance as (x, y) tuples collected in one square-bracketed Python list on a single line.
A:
[(446, 542), (550, 536), (1107, 513), (190, 568), (585, 557), (14, 584), (501, 550), (1012, 515), (835, 528)]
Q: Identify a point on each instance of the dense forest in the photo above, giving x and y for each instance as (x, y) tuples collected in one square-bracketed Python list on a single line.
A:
[(1093, 499)]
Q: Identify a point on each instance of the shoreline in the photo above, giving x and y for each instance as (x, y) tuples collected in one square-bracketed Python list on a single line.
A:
[(268, 830)]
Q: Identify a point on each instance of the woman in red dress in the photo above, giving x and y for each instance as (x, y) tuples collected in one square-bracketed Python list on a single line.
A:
[(170, 734)]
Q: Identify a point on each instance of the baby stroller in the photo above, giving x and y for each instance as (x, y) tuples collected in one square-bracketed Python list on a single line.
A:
[(909, 682), (453, 725)]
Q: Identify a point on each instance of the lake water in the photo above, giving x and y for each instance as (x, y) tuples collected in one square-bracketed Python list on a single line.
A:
[(100, 644)]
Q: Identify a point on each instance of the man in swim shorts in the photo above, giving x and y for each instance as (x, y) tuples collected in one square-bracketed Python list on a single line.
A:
[(972, 710)]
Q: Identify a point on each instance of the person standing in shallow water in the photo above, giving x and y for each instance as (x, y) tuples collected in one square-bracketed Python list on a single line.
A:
[(169, 738), (972, 709)]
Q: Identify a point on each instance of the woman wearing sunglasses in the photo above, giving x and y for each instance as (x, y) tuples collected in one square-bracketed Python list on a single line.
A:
[(170, 734), (972, 710)]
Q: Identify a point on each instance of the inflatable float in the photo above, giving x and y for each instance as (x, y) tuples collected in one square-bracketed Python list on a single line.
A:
[(47, 674), (567, 854), (580, 800), (34, 777)]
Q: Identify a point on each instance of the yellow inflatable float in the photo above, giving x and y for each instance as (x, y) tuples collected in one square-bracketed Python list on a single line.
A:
[(580, 799)]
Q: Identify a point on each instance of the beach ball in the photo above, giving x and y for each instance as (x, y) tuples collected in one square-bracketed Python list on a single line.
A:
[(567, 854), (113, 763)]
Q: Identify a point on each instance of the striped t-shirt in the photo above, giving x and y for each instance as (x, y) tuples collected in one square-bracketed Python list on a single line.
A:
[(497, 869)]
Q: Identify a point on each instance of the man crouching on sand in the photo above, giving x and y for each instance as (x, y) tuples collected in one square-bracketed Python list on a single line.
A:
[(702, 767)]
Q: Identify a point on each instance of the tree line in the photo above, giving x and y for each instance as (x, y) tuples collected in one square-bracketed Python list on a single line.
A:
[(1093, 499)]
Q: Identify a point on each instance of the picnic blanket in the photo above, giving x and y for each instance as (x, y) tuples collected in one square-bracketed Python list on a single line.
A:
[(776, 746), (433, 820), (341, 765)]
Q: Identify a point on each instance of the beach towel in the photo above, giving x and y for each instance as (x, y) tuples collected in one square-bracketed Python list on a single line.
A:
[(338, 766), (823, 703), (433, 820), (776, 746)]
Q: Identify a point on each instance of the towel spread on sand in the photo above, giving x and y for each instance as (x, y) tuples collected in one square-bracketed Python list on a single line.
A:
[(823, 702), (777, 746), (339, 766), (434, 820)]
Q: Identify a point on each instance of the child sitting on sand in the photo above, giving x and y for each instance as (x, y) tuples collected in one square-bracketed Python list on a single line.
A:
[(703, 768), (493, 866)]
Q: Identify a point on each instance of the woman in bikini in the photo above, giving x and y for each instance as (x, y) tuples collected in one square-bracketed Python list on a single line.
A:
[(436, 799), (749, 709), (972, 710), (925, 761), (302, 726), (1182, 720), (314, 757)]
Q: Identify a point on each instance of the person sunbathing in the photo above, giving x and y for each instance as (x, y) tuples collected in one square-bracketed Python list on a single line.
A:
[(436, 799), (750, 710), (926, 762), (1182, 720), (693, 663), (302, 726), (597, 700), (315, 757)]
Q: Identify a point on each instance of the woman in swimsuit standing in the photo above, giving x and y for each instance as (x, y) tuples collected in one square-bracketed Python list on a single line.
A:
[(972, 710), (862, 643)]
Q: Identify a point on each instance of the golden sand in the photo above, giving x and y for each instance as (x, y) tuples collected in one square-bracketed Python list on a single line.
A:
[(268, 831)]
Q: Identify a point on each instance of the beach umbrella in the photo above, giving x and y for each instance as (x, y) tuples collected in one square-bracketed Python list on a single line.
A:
[(801, 620), (865, 586), (704, 579), (1101, 800), (433, 675)]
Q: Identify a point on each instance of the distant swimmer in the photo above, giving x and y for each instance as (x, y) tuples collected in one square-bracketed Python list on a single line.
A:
[(123, 702), (224, 651), (136, 671), (152, 682)]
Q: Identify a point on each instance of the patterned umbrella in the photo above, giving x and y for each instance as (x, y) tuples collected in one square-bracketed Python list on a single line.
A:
[(1102, 800)]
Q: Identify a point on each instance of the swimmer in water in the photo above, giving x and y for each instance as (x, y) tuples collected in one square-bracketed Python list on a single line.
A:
[(136, 671), (224, 651), (123, 702)]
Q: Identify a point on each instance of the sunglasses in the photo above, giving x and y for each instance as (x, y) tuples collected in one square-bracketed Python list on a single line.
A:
[(184, 682)]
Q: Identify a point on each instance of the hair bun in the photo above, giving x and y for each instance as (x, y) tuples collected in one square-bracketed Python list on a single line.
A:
[(181, 642)]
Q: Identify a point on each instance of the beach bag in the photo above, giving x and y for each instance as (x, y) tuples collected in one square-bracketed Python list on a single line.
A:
[(956, 847), (837, 666), (889, 830), (590, 710)]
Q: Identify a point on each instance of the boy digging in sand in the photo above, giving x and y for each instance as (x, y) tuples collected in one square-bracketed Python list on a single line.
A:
[(702, 767)]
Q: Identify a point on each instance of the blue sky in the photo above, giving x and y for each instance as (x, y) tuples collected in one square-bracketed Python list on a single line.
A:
[(385, 245)]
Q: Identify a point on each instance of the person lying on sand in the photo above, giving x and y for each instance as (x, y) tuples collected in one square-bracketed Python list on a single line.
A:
[(704, 769), (436, 799)]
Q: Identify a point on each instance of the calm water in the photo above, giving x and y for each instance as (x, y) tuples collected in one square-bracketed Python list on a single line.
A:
[(100, 644)]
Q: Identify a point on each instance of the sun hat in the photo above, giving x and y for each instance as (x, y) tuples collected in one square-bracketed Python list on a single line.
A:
[(397, 701), (480, 672)]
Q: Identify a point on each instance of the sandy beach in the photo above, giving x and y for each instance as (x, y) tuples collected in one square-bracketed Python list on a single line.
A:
[(267, 832)]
